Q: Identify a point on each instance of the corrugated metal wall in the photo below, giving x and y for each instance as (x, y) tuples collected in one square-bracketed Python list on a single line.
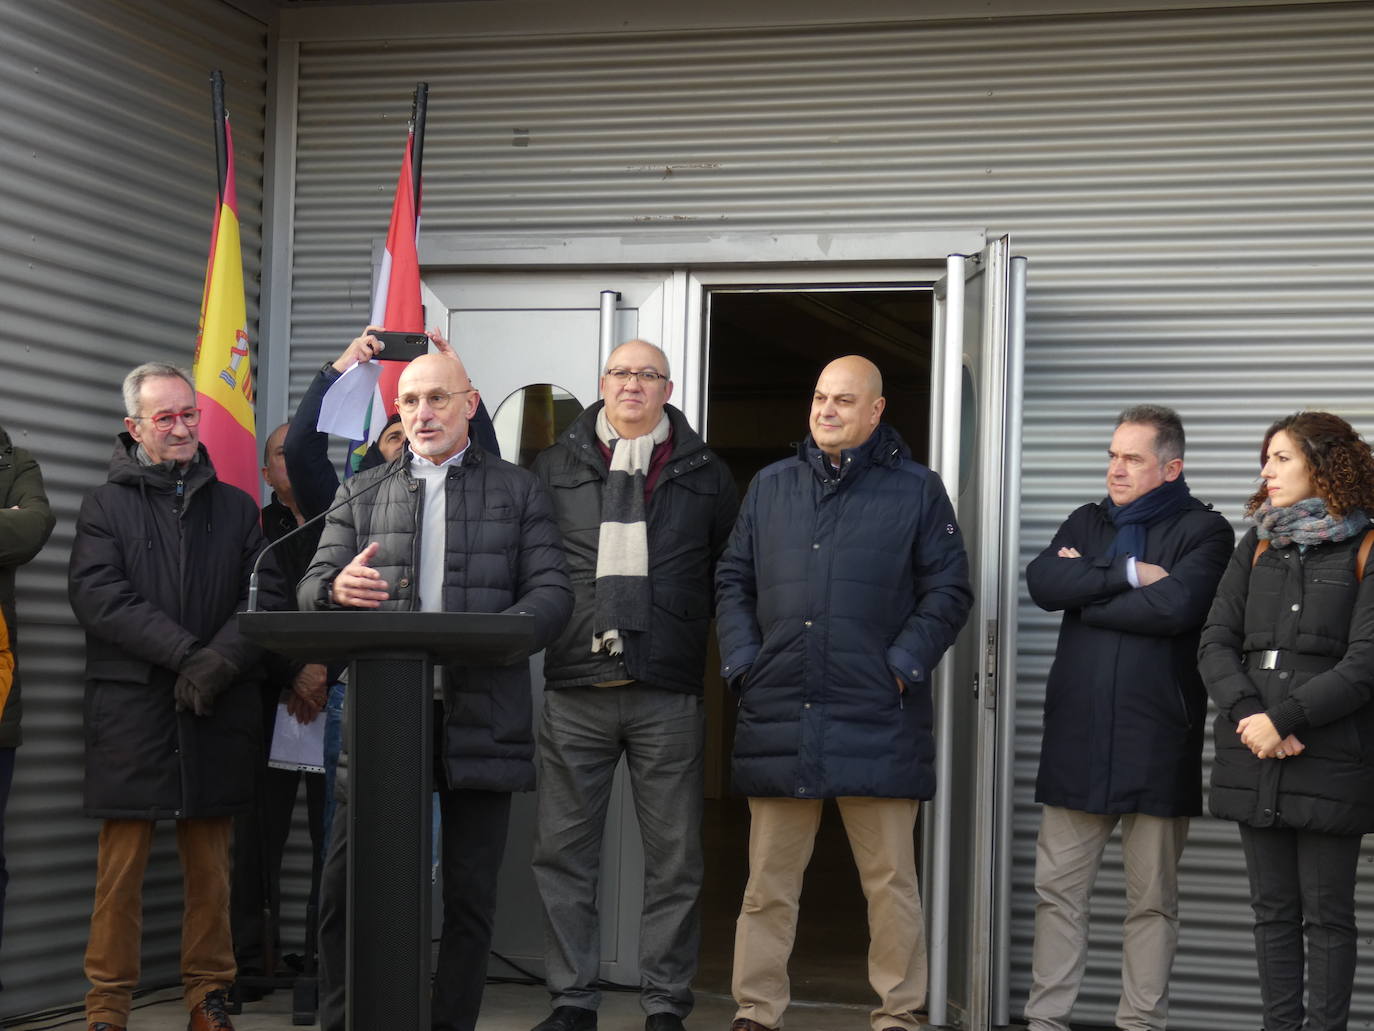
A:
[(1192, 189), (106, 191)]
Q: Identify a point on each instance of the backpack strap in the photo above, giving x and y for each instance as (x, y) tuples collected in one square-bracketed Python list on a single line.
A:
[(1261, 546), (1363, 557)]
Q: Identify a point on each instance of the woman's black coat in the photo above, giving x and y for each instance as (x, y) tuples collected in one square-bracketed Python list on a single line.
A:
[(1311, 607)]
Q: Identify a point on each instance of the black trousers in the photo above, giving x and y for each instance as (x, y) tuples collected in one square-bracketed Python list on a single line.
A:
[(1302, 883), (473, 843), (260, 837)]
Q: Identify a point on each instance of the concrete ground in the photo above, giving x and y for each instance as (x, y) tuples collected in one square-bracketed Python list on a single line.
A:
[(507, 1007)]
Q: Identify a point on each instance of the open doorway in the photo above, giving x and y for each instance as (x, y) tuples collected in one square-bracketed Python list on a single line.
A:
[(765, 347)]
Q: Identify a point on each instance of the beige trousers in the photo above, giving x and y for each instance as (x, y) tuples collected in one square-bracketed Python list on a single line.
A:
[(207, 949), (782, 833), (1068, 854)]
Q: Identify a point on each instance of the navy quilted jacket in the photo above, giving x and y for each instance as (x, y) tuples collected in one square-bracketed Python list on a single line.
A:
[(831, 587)]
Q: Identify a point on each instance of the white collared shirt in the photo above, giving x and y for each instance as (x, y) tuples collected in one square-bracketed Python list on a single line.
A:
[(433, 527)]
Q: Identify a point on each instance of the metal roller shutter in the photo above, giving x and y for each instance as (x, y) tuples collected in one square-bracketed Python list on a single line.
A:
[(1192, 188), (107, 185)]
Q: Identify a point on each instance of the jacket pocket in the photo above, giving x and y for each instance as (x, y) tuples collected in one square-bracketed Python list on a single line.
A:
[(128, 671), (573, 478)]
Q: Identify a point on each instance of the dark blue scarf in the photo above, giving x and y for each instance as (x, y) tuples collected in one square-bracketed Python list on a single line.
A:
[(1132, 518)]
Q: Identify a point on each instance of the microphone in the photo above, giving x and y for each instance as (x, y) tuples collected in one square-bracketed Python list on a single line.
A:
[(253, 576)]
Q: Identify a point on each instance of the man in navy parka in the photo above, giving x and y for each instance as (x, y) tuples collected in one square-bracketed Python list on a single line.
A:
[(843, 584)]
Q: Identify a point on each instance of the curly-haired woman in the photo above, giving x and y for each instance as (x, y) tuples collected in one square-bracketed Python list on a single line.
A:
[(1287, 654)]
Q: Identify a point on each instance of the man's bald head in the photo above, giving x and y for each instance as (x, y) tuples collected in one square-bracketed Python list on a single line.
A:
[(847, 405), (274, 465), (436, 399), (436, 368)]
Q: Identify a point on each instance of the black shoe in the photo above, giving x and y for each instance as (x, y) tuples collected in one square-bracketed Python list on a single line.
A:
[(663, 1022), (568, 1018)]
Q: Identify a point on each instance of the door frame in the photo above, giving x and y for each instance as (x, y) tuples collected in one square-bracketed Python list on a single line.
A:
[(693, 266)]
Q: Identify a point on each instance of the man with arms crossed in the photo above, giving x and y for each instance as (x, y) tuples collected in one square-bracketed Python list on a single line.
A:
[(1134, 575), (843, 584)]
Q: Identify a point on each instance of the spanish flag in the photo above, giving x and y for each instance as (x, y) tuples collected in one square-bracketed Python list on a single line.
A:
[(223, 366)]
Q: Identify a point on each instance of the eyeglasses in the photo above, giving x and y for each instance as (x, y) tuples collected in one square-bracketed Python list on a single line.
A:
[(646, 376), (166, 420), (437, 401)]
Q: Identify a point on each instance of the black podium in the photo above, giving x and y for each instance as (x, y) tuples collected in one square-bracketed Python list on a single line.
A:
[(390, 742)]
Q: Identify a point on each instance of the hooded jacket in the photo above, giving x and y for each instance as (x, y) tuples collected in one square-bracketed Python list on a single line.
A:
[(159, 567), (691, 511), (502, 555), (26, 522), (1310, 607), (832, 587), (1124, 705)]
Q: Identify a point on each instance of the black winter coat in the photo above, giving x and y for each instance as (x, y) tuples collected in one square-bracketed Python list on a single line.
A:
[(502, 555), (159, 568), (26, 521), (1124, 705), (691, 511), (830, 588), (1310, 606)]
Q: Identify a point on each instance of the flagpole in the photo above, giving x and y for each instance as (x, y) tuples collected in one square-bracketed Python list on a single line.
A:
[(217, 106), (418, 106)]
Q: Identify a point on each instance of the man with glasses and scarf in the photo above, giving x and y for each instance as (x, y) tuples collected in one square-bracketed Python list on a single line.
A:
[(1134, 575), (159, 570), (645, 509)]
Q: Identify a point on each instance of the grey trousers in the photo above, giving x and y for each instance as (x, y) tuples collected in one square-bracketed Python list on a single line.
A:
[(1068, 854), (582, 734)]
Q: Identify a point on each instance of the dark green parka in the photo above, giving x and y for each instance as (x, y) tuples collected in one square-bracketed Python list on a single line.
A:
[(26, 521)]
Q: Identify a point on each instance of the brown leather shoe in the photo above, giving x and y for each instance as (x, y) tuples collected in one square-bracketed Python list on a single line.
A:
[(745, 1024), (211, 1014)]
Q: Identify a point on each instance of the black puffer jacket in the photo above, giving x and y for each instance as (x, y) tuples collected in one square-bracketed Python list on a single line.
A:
[(1310, 606), (159, 567), (502, 555), (832, 587), (691, 510), (1125, 709), (26, 521)]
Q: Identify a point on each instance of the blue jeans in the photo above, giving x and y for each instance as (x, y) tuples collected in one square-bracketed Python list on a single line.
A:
[(333, 741)]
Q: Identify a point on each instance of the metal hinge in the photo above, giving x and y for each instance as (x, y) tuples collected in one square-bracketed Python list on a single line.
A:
[(990, 666)]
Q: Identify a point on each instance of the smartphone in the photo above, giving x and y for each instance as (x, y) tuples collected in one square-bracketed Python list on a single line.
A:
[(401, 347)]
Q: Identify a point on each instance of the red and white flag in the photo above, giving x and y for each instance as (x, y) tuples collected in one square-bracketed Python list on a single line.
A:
[(395, 306)]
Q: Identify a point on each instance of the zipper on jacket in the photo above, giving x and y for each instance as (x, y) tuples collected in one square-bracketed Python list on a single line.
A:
[(180, 495)]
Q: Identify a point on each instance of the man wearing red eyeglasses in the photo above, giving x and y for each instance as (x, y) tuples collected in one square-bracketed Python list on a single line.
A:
[(159, 567)]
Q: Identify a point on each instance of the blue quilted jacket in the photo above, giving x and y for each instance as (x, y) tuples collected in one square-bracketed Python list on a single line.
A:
[(832, 587)]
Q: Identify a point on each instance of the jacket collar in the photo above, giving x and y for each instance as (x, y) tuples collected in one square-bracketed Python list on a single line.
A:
[(686, 441), (884, 447), (126, 469)]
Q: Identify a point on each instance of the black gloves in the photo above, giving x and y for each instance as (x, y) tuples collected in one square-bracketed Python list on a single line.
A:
[(202, 678)]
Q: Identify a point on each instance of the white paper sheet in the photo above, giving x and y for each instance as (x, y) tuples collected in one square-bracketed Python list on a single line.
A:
[(345, 403), (295, 745)]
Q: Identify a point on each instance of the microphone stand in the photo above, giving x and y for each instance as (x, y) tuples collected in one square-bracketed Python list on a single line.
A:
[(253, 576)]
